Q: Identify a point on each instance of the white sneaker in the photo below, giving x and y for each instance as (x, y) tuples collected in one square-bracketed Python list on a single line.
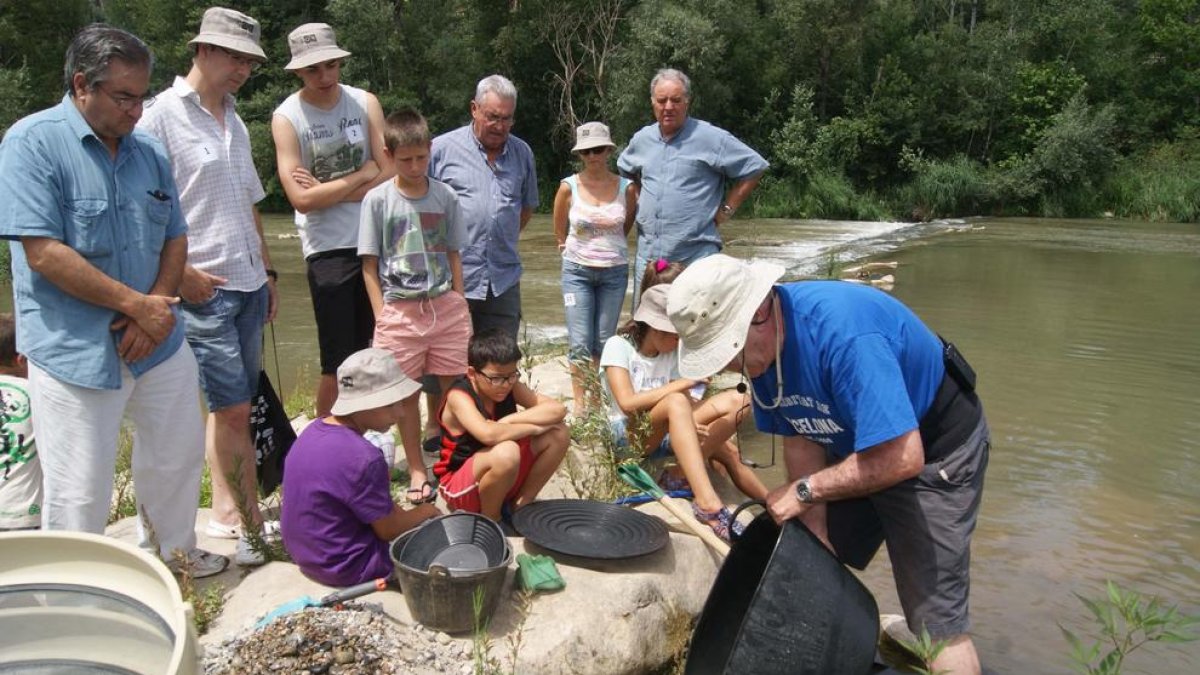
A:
[(201, 563), (246, 556), (219, 530)]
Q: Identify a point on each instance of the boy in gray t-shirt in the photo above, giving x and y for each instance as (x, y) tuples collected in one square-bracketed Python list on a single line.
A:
[(409, 238)]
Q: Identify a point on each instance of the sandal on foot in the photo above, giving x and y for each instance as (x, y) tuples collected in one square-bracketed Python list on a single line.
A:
[(672, 483), (421, 497), (721, 521)]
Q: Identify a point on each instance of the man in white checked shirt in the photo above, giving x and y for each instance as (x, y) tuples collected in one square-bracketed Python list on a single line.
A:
[(228, 287)]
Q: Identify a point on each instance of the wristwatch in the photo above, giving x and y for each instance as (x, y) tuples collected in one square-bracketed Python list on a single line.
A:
[(728, 210), (804, 491)]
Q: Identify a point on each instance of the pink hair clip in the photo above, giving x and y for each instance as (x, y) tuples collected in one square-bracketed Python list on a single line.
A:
[(660, 265)]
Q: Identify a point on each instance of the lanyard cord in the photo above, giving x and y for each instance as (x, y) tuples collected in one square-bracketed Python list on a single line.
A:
[(778, 363)]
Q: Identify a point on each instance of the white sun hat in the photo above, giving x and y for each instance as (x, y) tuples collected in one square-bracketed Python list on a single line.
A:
[(711, 304)]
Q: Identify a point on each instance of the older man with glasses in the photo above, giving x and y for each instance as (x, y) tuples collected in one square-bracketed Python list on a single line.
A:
[(228, 286), (884, 437), (99, 246)]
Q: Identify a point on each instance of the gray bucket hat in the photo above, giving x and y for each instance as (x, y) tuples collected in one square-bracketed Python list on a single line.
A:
[(230, 29), (369, 379), (311, 44)]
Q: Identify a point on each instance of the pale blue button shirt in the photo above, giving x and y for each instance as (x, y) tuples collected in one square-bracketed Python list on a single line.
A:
[(490, 200), (682, 185), (58, 180)]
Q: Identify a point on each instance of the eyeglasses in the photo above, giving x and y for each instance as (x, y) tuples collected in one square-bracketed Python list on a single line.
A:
[(755, 321), (498, 380), (240, 60), (493, 118), (594, 151), (125, 102)]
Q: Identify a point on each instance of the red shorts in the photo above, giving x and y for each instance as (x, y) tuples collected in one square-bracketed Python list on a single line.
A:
[(461, 490)]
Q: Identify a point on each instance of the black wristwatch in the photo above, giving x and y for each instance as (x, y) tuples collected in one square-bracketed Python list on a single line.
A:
[(273, 274), (804, 491)]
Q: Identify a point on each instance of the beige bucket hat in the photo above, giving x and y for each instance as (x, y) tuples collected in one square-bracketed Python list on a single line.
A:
[(311, 44), (230, 29), (592, 135), (369, 379), (711, 304)]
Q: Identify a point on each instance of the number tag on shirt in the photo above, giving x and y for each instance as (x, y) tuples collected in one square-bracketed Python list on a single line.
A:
[(205, 154), (354, 133)]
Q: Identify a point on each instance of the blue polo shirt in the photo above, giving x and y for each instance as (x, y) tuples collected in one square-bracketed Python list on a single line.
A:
[(57, 180), (683, 183), (490, 201), (859, 367)]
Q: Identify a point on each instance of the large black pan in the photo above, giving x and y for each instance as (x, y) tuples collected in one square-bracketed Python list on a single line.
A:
[(782, 603)]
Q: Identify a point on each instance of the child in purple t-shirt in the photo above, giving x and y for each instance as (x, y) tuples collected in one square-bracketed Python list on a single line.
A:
[(338, 516)]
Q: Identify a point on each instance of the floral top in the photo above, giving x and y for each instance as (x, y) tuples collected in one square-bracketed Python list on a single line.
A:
[(596, 234)]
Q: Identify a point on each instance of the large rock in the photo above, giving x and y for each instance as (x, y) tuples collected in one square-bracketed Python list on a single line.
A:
[(612, 617)]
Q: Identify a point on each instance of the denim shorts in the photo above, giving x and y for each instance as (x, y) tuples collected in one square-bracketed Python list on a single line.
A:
[(620, 435), (225, 333), (592, 299)]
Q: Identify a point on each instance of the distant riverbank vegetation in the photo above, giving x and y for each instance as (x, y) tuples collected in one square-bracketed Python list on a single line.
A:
[(885, 109)]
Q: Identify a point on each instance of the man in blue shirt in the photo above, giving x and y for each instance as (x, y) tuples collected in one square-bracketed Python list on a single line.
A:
[(681, 166), (493, 174), (884, 437), (98, 246)]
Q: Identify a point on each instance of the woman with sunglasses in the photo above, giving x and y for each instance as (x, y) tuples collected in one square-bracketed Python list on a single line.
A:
[(593, 213)]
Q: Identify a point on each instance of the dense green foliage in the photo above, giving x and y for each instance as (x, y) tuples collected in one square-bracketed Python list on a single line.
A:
[(866, 109)]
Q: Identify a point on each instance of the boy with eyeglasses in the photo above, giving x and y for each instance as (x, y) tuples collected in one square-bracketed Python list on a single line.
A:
[(501, 440)]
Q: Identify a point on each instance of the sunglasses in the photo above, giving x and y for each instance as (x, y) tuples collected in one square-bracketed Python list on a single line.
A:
[(594, 151)]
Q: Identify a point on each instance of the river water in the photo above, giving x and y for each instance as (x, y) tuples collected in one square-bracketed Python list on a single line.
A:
[(1084, 336)]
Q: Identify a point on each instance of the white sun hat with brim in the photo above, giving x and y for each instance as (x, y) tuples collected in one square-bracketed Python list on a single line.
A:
[(369, 379), (230, 29), (711, 304), (592, 135), (652, 308), (311, 44)]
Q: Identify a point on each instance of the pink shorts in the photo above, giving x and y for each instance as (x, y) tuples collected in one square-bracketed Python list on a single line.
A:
[(427, 336), (461, 490)]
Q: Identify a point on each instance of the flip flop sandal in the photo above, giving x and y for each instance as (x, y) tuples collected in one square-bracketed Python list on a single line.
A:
[(421, 497), (720, 521)]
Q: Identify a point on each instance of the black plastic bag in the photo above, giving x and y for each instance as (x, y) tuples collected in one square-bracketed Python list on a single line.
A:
[(272, 433)]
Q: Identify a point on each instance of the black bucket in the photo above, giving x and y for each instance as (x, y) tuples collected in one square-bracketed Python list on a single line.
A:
[(443, 564), (782, 603)]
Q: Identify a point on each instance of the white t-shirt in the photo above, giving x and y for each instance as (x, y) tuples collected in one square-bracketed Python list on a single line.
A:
[(645, 372), (20, 469)]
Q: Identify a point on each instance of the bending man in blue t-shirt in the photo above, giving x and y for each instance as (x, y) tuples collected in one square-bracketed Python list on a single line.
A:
[(884, 438)]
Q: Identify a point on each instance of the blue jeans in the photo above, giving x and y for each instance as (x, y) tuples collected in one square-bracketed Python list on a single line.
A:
[(225, 333), (592, 298)]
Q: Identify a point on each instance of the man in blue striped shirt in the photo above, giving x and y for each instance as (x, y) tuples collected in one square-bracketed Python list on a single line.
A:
[(493, 174)]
